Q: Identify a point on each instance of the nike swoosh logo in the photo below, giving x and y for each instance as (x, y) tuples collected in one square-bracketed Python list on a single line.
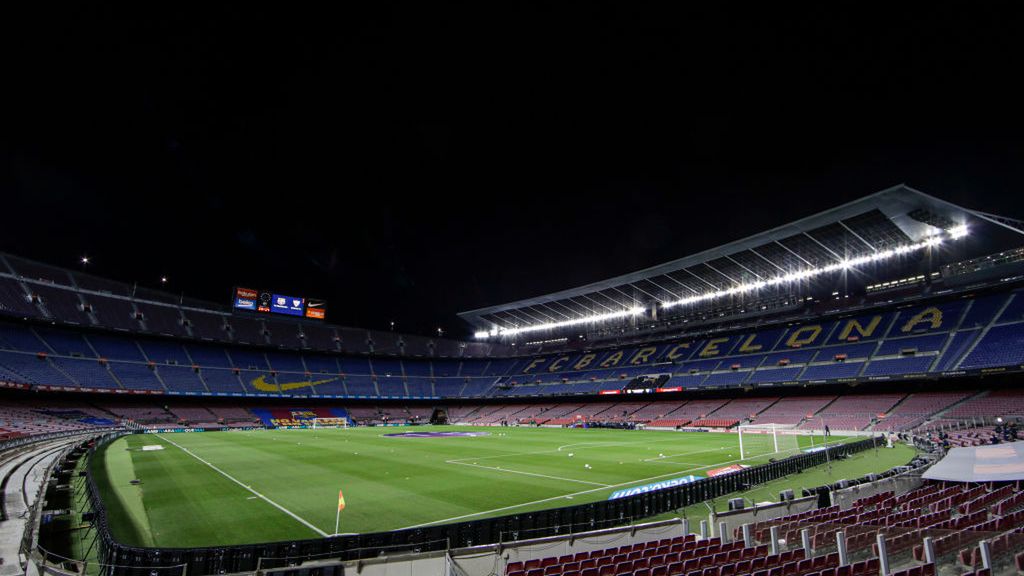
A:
[(260, 383)]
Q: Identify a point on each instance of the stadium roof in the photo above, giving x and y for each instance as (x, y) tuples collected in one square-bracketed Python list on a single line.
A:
[(892, 219)]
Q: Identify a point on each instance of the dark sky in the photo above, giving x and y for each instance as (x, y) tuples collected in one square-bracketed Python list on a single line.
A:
[(408, 161)]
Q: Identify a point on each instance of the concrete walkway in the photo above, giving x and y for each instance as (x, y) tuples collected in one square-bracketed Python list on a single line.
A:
[(24, 469)]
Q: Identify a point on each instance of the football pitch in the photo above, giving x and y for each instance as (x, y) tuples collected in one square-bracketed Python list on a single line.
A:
[(221, 488)]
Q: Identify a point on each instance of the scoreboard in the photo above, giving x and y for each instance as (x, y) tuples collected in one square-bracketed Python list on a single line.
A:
[(270, 302)]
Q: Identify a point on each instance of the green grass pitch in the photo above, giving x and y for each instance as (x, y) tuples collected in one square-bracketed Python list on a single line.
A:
[(208, 489)]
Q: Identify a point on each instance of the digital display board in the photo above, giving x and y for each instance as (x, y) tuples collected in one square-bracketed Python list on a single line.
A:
[(316, 309), (290, 305), (265, 299), (270, 302), (245, 299)]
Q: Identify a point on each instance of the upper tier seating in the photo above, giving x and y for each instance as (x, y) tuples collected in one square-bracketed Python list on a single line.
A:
[(874, 345)]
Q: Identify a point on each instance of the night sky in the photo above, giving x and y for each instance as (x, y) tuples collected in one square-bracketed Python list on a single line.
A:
[(407, 162)]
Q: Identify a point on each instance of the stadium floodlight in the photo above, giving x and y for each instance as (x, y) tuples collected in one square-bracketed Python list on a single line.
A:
[(634, 311), (953, 233), (845, 264)]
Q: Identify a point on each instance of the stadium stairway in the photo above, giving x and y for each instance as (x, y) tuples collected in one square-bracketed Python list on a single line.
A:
[(814, 416), (984, 331)]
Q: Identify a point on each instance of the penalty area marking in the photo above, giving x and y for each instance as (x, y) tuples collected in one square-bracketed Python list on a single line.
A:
[(528, 473), (570, 495), (236, 481), (462, 462), (664, 459), (560, 448)]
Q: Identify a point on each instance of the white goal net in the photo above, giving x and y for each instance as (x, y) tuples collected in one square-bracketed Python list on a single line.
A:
[(767, 439), (328, 423)]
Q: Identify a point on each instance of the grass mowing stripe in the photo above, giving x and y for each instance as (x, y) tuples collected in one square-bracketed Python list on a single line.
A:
[(564, 496), (130, 495), (560, 448), (389, 483), (574, 494), (528, 473), (236, 481)]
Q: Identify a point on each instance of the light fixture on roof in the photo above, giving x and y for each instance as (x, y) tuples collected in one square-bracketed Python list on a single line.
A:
[(844, 264), (84, 260), (953, 233), (957, 232), (634, 311)]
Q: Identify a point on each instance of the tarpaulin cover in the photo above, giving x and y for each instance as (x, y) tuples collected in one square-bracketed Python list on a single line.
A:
[(980, 464)]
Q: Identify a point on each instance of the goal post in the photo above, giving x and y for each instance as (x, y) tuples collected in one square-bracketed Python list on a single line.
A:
[(767, 439), (328, 423)]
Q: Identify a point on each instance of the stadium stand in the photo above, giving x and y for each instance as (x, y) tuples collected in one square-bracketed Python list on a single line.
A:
[(913, 411), (54, 356), (792, 411), (1006, 403), (853, 412), (947, 337), (148, 359), (18, 420)]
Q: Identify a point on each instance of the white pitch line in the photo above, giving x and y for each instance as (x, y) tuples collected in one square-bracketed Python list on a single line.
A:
[(552, 451), (528, 473), (657, 458), (573, 494), (236, 481)]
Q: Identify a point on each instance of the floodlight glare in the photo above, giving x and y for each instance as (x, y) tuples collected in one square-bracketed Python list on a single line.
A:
[(634, 311), (952, 234)]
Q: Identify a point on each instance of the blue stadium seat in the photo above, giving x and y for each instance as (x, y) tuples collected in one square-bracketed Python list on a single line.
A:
[(1002, 346)]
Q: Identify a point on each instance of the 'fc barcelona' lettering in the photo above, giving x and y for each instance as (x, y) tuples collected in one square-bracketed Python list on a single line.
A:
[(804, 335), (932, 316), (536, 362), (711, 348), (557, 364), (612, 360), (642, 355), (584, 361), (748, 344), (676, 351), (862, 331)]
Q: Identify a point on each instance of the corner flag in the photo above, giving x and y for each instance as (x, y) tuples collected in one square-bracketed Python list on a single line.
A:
[(341, 506)]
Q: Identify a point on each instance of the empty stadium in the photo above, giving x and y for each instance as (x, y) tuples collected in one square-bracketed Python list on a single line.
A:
[(511, 289), (789, 403)]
